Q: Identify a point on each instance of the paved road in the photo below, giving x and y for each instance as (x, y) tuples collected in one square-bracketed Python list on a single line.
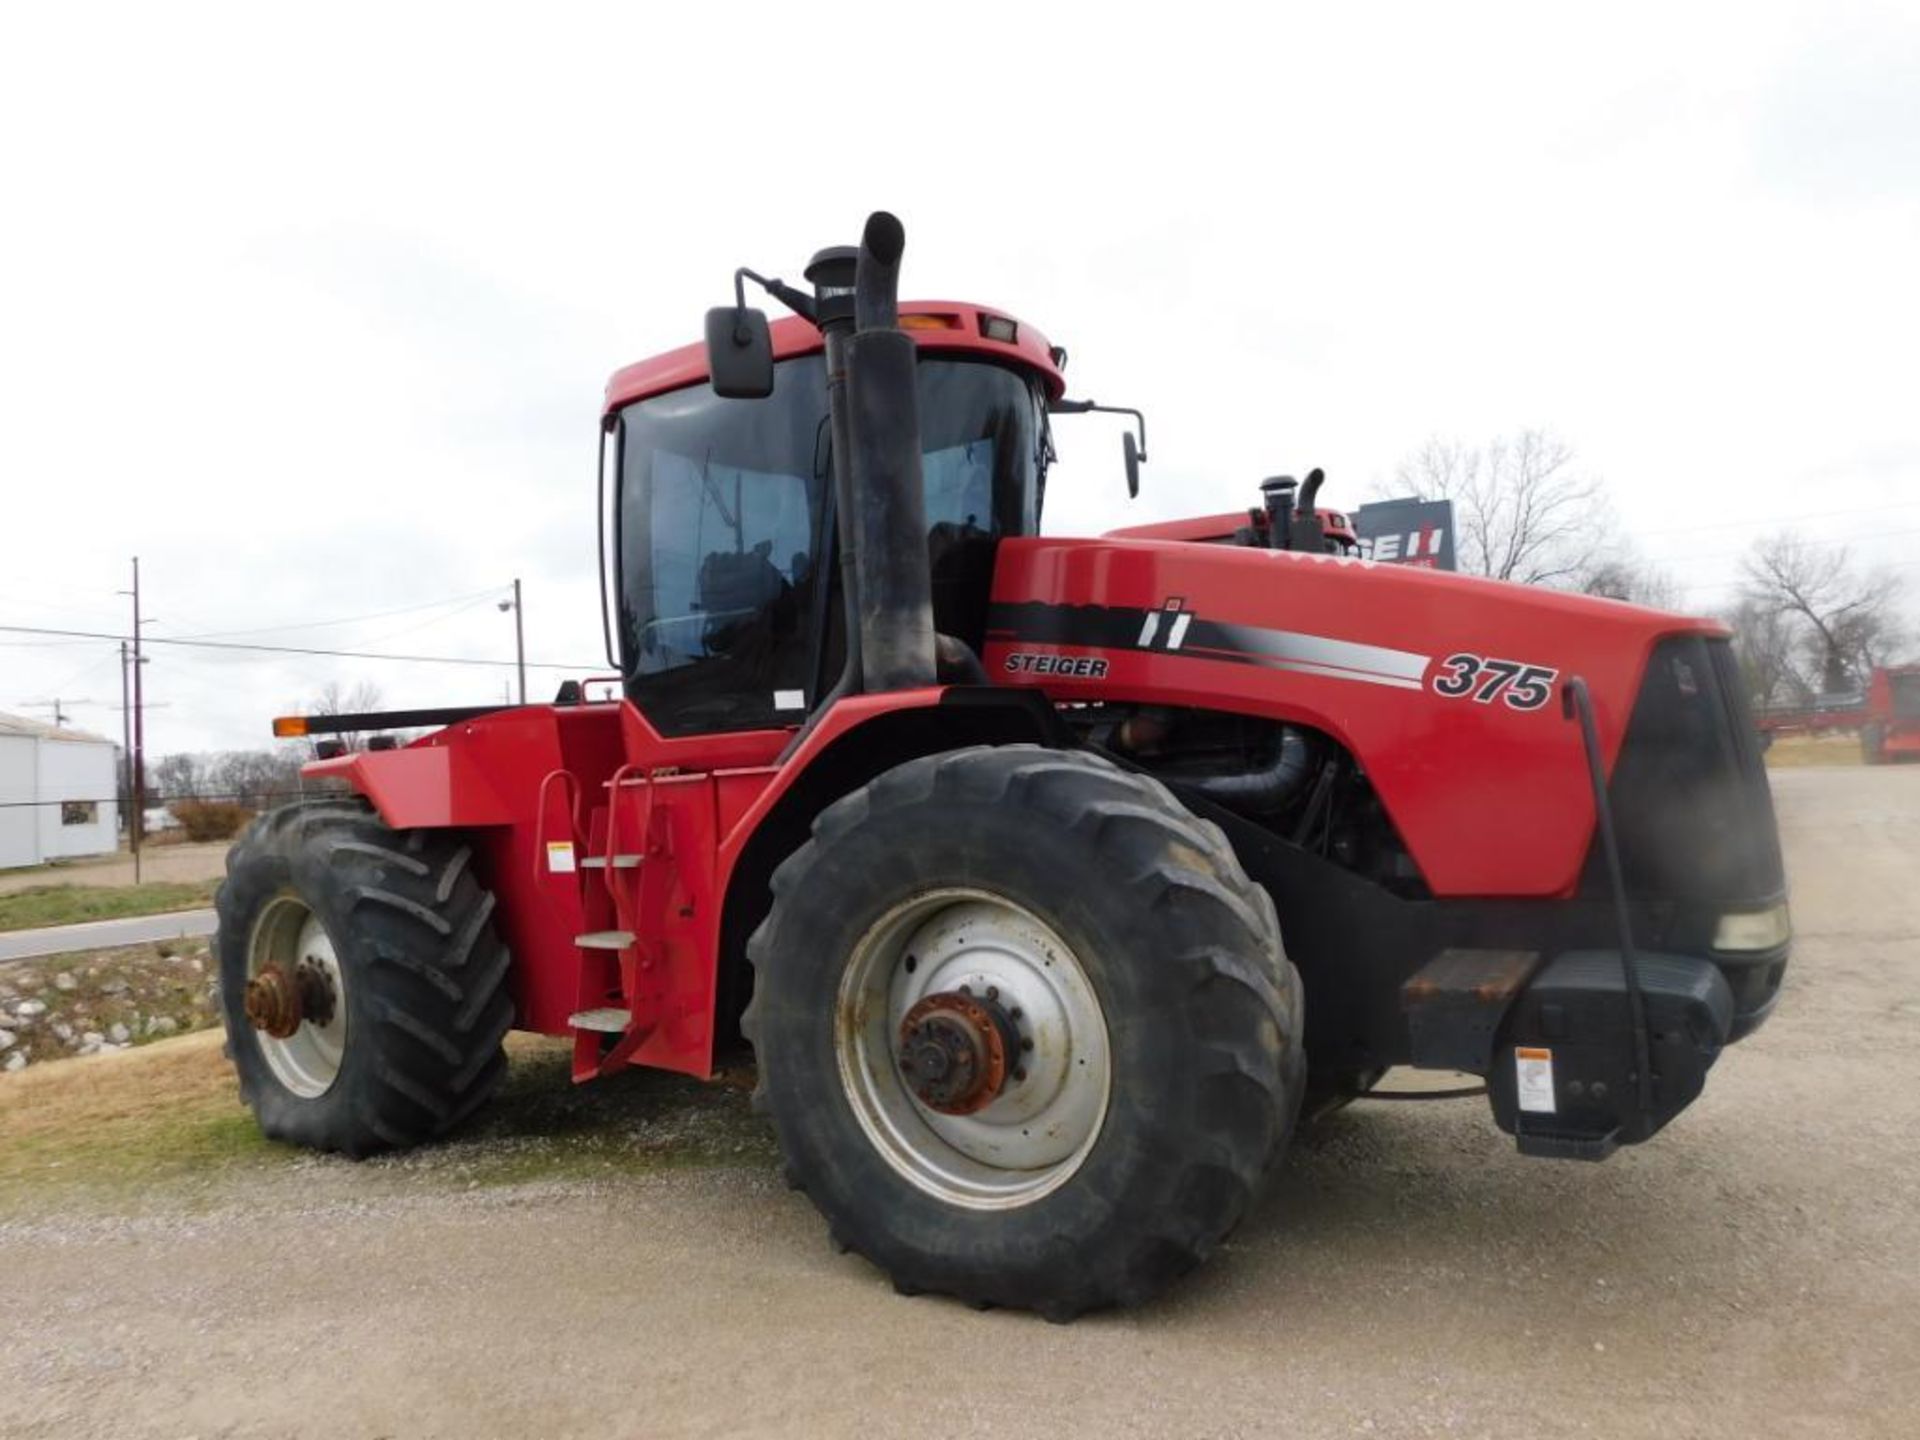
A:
[(103, 934), (1753, 1272)]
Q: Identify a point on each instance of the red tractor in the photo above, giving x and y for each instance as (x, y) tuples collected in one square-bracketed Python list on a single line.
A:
[(1892, 728), (1050, 879)]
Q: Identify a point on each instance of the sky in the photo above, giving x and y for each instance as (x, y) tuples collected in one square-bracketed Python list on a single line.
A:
[(312, 309)]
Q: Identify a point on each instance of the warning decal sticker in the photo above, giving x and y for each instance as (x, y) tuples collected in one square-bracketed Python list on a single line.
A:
[(1533, 1076)]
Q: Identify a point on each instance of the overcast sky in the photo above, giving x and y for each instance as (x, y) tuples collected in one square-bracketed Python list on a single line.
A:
[(311, 308)]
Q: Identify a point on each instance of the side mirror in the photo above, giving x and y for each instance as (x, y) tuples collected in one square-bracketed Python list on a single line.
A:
[(1132, 453), (739, 353)]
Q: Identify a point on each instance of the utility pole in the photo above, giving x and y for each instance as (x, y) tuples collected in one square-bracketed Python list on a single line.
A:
[(137, 759), (126, 744), (519, 637), (61, 709)]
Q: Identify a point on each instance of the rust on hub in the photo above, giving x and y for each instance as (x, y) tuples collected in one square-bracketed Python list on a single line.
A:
[(276, 1003), (273, 1003), (954, 1051)]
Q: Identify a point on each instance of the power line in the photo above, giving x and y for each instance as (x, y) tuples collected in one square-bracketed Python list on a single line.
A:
[(301, 650), (1732, 581), (238, 796), (486, 597), (476, 595), (1809, 541), (1779, 519)]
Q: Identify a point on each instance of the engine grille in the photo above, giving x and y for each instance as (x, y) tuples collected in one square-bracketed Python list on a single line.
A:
[(1689, 790)]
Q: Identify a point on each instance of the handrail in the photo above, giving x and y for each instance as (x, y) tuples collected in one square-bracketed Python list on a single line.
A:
[(540, 817), (613, 831)]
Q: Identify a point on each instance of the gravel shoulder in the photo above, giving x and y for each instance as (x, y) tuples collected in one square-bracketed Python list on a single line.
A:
[(622, 1259)]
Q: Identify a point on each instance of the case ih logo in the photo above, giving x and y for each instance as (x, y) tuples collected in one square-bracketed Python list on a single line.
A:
[(1407, 532), (1177, 620)]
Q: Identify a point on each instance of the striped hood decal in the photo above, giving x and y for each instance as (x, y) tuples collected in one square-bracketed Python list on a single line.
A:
[(1174, 630)]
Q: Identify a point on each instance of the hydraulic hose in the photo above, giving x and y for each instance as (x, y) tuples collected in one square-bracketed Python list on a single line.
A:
[(1266, 788)]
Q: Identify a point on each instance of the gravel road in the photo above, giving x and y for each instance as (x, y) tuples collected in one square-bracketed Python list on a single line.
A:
[(1755, 1271)]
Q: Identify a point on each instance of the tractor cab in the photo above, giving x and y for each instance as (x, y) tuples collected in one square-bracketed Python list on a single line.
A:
[(727, 587)]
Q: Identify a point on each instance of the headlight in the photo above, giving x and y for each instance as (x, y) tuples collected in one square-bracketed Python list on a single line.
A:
[(1754, 929)]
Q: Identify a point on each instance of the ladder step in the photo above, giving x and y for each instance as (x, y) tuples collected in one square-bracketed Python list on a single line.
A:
[(607, 1022), (604, 940), (620, 862)]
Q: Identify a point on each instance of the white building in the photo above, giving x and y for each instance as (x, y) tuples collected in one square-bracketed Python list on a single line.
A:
[(57, 789)]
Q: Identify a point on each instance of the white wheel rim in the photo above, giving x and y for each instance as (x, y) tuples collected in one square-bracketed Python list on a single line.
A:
[(289, 934), (1040, 1128)]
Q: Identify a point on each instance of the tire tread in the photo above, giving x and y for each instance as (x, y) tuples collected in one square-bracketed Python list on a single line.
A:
[(416, 928)]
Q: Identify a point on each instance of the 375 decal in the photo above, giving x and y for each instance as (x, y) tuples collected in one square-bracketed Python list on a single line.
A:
[(1515, 683)]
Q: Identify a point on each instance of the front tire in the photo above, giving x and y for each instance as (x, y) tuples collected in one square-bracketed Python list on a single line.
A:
[(362, 983), (1106, 946)]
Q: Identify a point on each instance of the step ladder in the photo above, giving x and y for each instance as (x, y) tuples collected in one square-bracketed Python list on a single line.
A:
[(609, 1022)]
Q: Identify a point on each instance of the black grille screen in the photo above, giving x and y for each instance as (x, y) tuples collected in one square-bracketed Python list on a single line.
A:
[(1906, 694), (1689, 791)]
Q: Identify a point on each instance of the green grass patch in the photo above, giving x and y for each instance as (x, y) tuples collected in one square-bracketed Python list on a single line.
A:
[(164, 1122), (122, 1122), (120, 1156), (42, 905)]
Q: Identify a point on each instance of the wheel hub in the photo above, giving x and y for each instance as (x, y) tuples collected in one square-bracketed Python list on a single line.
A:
[(973, 1047), (295, 998), (956, 1050), (277, 1003)]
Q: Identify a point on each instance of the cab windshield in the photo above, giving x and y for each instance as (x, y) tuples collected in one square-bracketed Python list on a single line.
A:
[(724, 519)]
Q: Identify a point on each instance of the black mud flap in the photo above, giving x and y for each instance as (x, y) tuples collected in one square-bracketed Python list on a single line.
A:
[(1562, 1080)]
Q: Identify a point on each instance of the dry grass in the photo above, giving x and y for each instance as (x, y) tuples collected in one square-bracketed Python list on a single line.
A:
[(126, 1116), (1793, 751), (128, 1087)]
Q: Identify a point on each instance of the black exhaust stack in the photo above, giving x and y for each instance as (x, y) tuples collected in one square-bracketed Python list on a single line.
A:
[(884, 529)]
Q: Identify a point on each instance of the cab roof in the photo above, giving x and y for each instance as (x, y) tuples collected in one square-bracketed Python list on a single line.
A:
[(947, 326)]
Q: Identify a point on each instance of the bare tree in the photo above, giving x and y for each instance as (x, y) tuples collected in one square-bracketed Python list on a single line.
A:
[(1846, 615), (1764, 642), (1622, 573), (334, 700), (1522, 509), (257, 779), (180, 777)]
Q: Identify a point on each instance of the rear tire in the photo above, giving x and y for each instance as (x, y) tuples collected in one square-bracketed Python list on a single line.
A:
[(1064, 876), (411, 977)]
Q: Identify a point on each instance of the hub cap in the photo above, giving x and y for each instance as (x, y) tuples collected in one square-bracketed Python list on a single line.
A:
[(296, 997), (973, 1049)]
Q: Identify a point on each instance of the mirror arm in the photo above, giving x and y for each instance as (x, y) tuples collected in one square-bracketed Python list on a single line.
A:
[(1083, 407), (798, 301)]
